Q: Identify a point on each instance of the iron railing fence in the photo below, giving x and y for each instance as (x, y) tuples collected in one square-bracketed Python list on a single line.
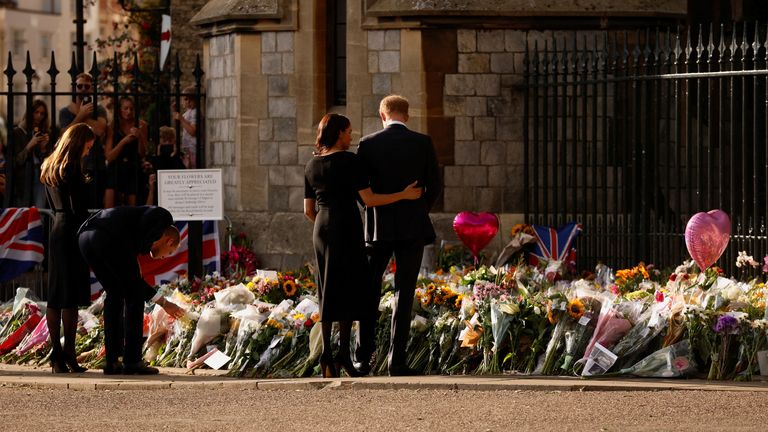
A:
[(152, 92), (631, 133)]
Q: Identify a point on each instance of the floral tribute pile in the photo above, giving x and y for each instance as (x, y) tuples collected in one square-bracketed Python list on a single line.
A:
[(515, 318)]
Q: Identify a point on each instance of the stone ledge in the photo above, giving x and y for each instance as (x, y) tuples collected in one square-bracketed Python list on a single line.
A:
[(219, 17), (526, 8)]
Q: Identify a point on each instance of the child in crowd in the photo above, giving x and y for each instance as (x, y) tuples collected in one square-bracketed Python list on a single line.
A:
[(188, 121), (167, 158)]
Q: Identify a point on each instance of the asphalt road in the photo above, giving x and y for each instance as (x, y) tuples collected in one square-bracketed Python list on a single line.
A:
[(230, 409)]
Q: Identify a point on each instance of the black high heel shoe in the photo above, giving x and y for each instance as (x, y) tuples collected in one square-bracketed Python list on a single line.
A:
[(58, 365), (327, 367), (345, 363), (71, 362)]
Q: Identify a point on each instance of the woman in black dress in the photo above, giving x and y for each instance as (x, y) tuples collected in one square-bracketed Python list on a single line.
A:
[(68, 278), (334, 182), (124, 150)]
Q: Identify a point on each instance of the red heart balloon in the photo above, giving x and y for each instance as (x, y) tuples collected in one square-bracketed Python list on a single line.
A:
[(475, 229), (706, 236)]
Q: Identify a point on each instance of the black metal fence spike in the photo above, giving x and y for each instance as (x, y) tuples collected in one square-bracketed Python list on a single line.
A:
[(198, 72), (73, 69), (28, 70), (95, 68), (9, 70), (744, 45), (721, 47), (53, 71)]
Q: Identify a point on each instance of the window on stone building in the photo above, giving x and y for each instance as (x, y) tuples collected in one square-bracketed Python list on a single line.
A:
[(337, 52), (18, 42), (52, 6), (45, 45)]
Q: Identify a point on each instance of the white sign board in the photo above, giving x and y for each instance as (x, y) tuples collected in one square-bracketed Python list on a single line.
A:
[(191, 194)]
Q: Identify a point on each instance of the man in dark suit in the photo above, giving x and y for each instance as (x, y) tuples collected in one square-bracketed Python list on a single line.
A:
[(393, 158), (110, 242)]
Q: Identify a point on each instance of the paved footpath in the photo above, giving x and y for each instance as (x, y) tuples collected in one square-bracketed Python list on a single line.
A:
[(34, 400), (174, 378)]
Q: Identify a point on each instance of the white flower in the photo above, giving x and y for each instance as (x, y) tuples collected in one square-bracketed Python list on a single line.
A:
[(509, 308), (537, 310), (744, 260)]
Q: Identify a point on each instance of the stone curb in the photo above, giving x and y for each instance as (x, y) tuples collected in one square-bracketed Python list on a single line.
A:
[(177, 379)]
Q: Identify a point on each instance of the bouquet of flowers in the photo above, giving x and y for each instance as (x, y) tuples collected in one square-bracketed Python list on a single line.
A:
[(584, 308), (669, 362), (24, 320)]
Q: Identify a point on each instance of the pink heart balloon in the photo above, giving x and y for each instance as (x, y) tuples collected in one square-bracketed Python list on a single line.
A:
[(475, 229), (706, 236)]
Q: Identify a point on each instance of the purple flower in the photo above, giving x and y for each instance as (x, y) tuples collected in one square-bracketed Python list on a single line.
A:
[(726, 324), (765, 264)]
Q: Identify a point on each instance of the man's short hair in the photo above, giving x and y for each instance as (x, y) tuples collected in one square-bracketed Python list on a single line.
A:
[(394, 104), (173, 233), (85, 75), (167, 134)]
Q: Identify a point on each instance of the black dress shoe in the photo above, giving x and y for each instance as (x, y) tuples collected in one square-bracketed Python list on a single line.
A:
[(113, 368), (402, 371), (139, 368)]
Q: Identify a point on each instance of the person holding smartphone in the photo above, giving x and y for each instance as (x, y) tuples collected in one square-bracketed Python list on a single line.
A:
[(31, 141), (81, 110)]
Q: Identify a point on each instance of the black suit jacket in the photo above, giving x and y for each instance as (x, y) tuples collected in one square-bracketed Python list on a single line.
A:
[(393, 158), (131, 230)]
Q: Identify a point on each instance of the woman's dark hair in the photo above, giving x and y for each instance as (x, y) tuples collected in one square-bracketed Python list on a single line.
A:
[(45, 125), (329, 129)]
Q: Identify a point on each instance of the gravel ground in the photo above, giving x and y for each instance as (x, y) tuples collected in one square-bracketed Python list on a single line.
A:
[(35, 410)]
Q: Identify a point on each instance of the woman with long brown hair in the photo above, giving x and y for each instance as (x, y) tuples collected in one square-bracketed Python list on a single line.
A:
[(125, 147), (68, 277), (27, 190), (334, 182)]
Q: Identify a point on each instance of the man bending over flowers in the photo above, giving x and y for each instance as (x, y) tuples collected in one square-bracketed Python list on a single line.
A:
[(110, 242)]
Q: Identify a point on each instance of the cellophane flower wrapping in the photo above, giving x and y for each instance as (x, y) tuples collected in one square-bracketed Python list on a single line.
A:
[(208, 327), (673, 361)]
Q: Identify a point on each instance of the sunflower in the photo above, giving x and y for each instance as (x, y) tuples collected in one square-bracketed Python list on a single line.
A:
[(431, 288), (289, 288), (575, 308)]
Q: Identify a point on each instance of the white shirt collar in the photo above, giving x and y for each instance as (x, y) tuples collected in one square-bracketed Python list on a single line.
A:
[(391, 122)]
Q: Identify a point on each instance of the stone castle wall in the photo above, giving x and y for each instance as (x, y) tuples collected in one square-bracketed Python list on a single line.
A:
[(265, 85)]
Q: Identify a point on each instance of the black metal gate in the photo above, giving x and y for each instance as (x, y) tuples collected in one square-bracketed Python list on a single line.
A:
[(152, 92), (631, 133)]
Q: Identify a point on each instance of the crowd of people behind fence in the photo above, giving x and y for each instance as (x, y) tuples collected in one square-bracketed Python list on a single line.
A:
[(122, 163)]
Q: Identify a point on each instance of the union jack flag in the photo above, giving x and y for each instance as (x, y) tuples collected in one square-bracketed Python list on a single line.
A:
[(554, 244), (156, 272), (21, 241)]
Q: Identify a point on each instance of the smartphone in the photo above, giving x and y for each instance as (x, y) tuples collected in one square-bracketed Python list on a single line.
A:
[(86, 100)]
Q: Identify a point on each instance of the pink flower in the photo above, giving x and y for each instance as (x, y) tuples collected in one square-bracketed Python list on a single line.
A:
[(680, 363), (615, 289), (765, 264), (659, 296)]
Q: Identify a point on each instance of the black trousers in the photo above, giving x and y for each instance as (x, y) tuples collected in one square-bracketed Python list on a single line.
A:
[(408, 262), (123, 305)]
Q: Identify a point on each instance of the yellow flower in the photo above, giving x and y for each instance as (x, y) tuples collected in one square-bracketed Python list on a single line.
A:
[(289, 334), (289, 288), (458, 300), (250, 285), (575, 308)]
